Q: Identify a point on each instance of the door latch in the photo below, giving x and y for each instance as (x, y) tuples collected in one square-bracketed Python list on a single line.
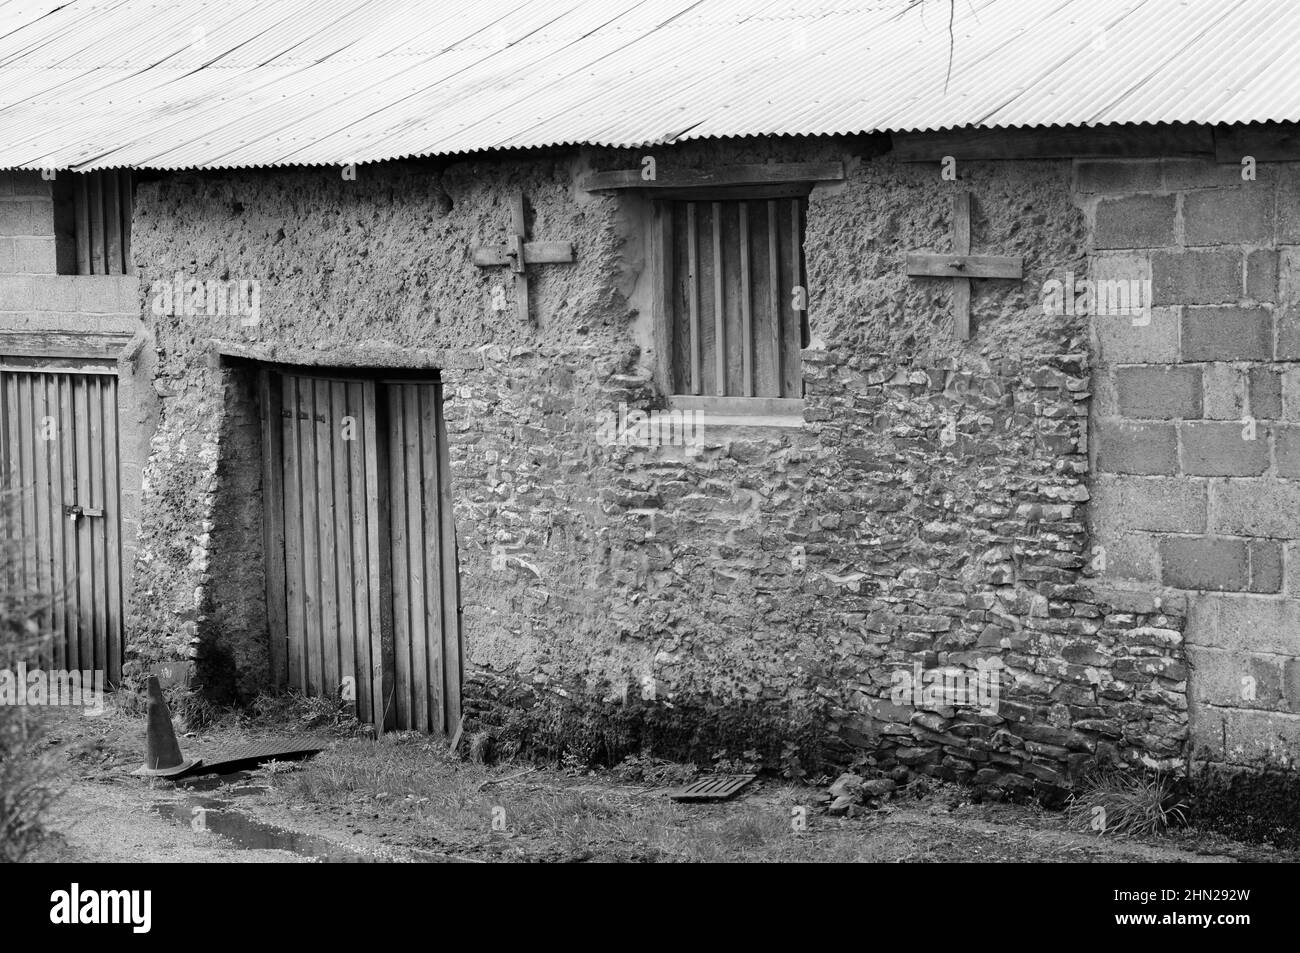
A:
[(74, 511)]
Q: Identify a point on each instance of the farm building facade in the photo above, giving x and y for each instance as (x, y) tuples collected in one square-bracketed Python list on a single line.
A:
[(814, 441)]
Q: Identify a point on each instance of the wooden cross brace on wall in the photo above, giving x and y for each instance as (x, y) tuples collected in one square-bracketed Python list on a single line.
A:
[(519, 253), (962, 266)]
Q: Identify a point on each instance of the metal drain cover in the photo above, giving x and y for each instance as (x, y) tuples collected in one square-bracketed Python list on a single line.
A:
[(716, 787), (253, 754)]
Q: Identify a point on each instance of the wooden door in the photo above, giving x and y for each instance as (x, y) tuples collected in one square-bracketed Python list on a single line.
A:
[(59, 464), (361, 582)]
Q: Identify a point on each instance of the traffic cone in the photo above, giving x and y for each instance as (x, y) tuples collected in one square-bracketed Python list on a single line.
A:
[(162, 757)]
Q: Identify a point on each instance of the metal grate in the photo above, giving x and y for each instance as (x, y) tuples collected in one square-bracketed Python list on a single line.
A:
[(717, 787)]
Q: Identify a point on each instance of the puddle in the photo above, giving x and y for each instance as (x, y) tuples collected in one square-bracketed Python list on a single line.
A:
[(237, 782), (217, 816)]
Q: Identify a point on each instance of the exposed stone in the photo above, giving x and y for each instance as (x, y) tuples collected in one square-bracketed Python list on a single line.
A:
[(763, 594)]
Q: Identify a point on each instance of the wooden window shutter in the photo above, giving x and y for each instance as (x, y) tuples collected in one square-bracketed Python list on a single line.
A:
[(92, 222), (736, 323)]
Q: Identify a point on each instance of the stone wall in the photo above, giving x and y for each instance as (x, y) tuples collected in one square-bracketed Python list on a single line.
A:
[(765, 591), (1198, 484), (756, 598), (372, 270)]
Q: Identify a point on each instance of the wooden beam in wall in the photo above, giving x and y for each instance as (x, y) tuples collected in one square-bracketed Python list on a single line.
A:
[(1118, 142), (1266, 142), (662, 260), (763, 174), (107, 347)]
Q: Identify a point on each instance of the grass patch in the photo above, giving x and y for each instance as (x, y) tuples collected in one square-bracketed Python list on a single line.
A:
[(1122, 804), (31, 765)]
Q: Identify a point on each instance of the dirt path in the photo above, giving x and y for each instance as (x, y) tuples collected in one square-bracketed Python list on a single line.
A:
[(114, 823), (404, 799), (134, 821)]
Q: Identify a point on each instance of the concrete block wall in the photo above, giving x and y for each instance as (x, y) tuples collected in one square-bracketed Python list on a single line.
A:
[(1196, 447), (26, 224), (33, 296)]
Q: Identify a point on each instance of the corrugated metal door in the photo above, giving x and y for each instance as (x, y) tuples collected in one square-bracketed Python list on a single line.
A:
[(361, 549), (59, 457)]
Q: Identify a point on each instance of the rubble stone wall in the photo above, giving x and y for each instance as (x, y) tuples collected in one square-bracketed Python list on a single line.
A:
[(764, 596)]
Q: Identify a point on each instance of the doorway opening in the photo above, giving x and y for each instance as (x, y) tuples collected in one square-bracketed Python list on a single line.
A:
[(362, 584)]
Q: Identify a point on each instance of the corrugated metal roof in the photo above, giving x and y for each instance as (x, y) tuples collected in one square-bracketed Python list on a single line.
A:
[(92, 84)]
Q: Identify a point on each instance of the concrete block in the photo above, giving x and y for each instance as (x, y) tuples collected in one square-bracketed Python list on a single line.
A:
[(1236, 680), (128, 295), (1105, 398), (1225, 391), (1227, 334), (1287, 312), (26, 182), (1203, 174), (97, 294), (1261, 275), (1288, 208), (56, 293), (1255, 507), (1155, 504), (1140, 221), (34, 256), (31, 217), (1246, 737), (1154, 340), (1200, 562), (1214, 448), (1291, 685), (1140, 448), (1265, 392), (1131, 557), (1286, 451), (1290, 384), (1161, 392), (17, 292), (1265, 565), (1238, 216), (1117, 176), (1197, 277), (1245, 623)]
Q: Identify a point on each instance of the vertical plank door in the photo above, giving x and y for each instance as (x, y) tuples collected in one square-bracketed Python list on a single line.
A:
[(360, 546), (59, 459)]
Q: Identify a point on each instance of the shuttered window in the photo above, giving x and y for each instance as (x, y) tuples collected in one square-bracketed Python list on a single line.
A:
[(735, 294), (92, 222)]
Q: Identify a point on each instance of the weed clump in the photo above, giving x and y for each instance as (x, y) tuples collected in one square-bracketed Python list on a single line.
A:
[(1124, 804)]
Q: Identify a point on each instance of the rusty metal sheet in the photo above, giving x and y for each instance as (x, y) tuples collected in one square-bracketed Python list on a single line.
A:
[(92, 84), (247, 756)]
